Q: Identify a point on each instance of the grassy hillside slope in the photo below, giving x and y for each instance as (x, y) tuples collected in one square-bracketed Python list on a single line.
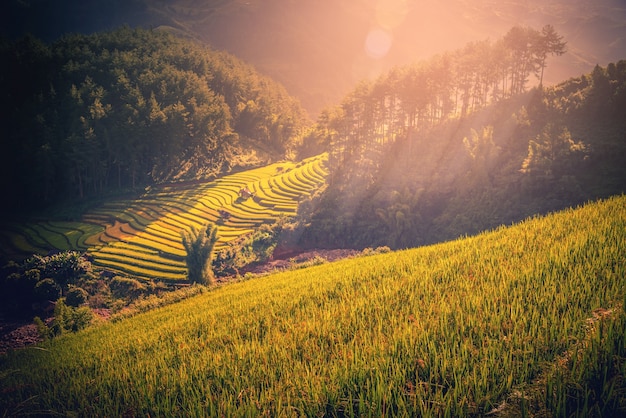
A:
[(142, 237), (453, 329)]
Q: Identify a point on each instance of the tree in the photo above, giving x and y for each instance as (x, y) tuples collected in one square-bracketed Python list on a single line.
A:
[(553, 154), (101, 113), (549, 42), (521, 43), (65, 268), (483, 151), (401, 218), (47, 289), (199, 244)]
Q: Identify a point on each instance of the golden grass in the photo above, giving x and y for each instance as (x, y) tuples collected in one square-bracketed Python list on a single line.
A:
[(455, 329)]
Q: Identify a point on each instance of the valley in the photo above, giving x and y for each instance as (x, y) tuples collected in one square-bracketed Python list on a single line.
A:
[(313, 208)]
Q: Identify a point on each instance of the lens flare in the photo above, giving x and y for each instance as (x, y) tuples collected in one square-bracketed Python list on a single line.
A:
[(378, 43)]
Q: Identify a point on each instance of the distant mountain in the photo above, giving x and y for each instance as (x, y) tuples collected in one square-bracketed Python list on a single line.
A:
[(319, 48)]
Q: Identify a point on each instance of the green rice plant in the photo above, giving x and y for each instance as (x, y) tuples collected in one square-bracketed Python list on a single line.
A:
[(32, 234), (77, 232), (60, 237), (140, 271), (144, 266), (145, 258), (21, 243), (461, 328)]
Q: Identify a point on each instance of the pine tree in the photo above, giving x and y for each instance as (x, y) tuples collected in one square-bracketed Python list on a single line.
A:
[(549, 43)]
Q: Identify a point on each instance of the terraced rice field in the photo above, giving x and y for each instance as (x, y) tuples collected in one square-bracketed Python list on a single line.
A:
[(141, 237)]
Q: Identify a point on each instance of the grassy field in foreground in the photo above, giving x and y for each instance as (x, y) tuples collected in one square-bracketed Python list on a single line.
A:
[(531, 314), (141, 237)]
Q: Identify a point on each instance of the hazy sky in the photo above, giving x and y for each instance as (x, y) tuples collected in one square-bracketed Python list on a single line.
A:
[(320, 48)]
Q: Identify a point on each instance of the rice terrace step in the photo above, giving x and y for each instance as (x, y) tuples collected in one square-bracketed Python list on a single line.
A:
[(141, 236)]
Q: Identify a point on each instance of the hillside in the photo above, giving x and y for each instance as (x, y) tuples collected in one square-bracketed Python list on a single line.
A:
[(318, 49), (113, 112), (440, 149), (521, 320), (141, 236)]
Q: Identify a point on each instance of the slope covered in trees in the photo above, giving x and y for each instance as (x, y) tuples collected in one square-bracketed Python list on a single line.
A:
[(87, 115), (456, 144)]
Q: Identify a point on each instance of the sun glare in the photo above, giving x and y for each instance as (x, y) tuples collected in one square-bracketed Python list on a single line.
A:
[(391, 14), (388, 16), (378, 43)]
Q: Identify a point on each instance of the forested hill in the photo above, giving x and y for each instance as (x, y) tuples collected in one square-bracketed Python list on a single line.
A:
[(93, 114), (447, 147)]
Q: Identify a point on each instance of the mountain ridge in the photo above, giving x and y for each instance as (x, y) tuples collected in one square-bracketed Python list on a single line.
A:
[(316, 49)]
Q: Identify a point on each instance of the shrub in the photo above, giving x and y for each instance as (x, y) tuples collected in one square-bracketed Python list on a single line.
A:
[(70, 319), (100, 295), (42, 328), (378, 250), (315, 261), (76, 296), (256, 247), (64, 268), (47, 289), (125, 287)]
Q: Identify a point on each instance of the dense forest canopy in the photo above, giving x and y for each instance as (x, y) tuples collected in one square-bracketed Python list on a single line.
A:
[(92, 114), (457, 144)]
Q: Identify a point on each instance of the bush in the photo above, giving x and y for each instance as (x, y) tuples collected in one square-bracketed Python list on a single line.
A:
[(42, 328), (64, 268), (67, 318), (315, 261), (124, 287), (378, 250), (256, 247), (47, 289), (76, 296)]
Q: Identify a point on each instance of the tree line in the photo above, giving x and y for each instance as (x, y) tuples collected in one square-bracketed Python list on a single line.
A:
[(416, 97), (404, 171), (88, 115)]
